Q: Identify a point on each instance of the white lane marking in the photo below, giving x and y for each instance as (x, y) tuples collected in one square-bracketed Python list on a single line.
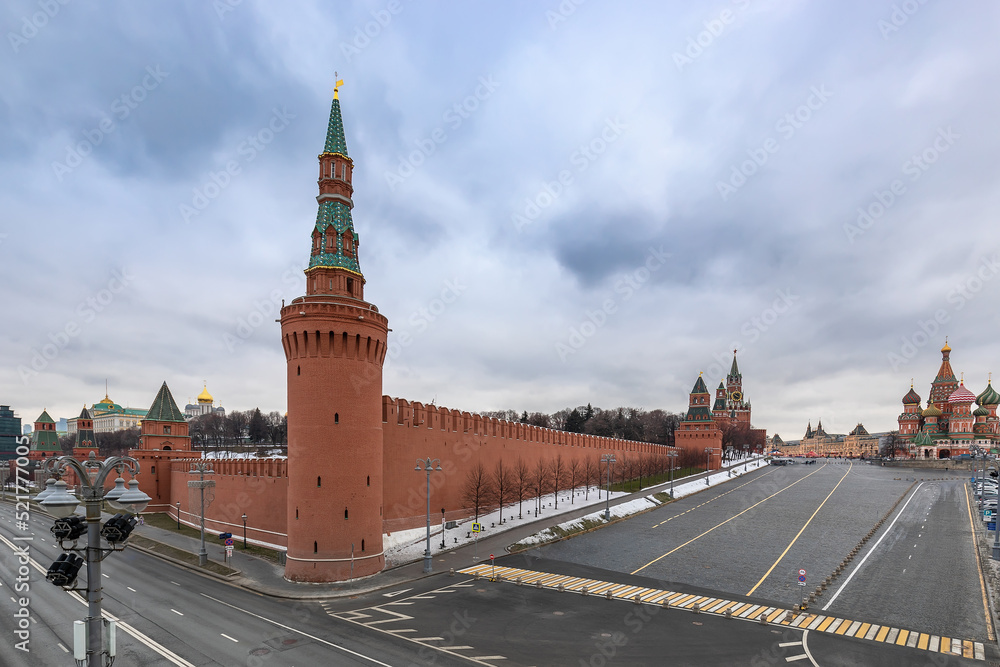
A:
[(291, 629), (786, 644), (65, 650), (130, 588), (177, 612), (105, 576), (175, 583), (805, 647), (801, 656), (395, 593), (229, 638), (872, 550)]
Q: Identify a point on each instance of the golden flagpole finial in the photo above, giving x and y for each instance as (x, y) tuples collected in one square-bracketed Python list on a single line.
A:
[(337, 83)]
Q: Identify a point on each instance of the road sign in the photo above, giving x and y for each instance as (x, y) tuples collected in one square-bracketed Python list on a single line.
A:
[(802, 577), (229, 542), (992, 525), (491, 556), (229, 552), (477, 527)]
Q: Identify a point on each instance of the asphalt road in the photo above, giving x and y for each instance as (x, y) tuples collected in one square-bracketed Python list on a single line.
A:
[(753, 535)]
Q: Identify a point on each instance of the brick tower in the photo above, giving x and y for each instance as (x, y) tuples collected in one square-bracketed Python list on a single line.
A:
[(334, 344)]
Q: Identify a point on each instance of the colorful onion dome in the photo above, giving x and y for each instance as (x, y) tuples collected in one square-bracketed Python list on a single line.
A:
[(989, 396), (981, 412), (932, 411), (961, 395), (911, 398), (205, 397)]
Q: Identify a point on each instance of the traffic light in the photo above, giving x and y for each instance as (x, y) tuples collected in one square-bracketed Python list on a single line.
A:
[(70, 528), (63, 572), (117, 529)]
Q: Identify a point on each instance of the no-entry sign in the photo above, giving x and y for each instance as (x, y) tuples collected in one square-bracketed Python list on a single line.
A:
[(802, 577)]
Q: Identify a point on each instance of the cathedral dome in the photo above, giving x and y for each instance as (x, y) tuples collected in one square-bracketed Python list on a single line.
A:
[(932, 411), (961, 395), (205, 397), (989, 396), (911, 398), (981, 412)]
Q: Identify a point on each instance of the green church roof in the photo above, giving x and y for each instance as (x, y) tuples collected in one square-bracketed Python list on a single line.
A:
[(734, 370), (164, 409), (989, 396), (336, 142), (699, 387), (44, 418)]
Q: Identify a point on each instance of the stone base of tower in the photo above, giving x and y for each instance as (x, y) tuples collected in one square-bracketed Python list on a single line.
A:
[(308, 570)]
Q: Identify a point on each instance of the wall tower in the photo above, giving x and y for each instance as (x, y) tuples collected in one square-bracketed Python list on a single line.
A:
[(334, 344)]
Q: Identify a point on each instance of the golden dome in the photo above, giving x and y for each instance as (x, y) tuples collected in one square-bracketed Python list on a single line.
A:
[(205, 397), (946, 347)]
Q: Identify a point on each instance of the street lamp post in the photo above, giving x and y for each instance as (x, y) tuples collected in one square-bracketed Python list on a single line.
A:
[(92, 474), (609, 460), (429, 465), (178, 515), (244, 532), (996, 533), (708, 465), (201, 469), (672, 455)]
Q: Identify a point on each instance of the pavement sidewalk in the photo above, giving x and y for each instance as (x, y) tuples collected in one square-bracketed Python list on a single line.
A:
[(267, 578)]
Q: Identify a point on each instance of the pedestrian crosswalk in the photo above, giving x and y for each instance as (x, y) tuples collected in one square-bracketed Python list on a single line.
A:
[(802, 620)]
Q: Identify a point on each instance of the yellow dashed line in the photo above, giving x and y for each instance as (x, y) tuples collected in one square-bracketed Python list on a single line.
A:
[(922, 642), (825, 624), (945, 645), (843, 627), (880, 637), (901, 639), (966, 648), (862, 630)]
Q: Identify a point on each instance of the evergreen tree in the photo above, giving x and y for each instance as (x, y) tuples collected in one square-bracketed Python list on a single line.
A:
[(574, 422)]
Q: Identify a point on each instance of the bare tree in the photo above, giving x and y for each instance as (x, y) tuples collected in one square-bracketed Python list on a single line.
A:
[(590, 474), (478, 490), (502, 481), (539, 483), (574, 470), (558, 469), (521, 486)]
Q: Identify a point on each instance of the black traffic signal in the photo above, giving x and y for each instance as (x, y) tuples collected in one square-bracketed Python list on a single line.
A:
[(70, 528), (117, 529), (63, 572)]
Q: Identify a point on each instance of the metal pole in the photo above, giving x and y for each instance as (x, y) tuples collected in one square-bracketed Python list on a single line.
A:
[(672, 476), (178, 515), (427, 551), (244, 532), (95, 624)]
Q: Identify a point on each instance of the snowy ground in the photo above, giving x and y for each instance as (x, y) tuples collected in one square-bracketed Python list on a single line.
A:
[(407, 546)]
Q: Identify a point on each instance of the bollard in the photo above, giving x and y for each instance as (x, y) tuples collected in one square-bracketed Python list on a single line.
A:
[(607, 596), (476, 576), (789, 615), (665, 603), (729, 613), (561, 588), (519, 582), (538, 584), (762, 619), (696, 608), (451, 572), (637, 599), (584, 591)]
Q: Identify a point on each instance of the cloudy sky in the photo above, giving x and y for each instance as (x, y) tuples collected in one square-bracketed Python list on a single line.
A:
[(557, 202)]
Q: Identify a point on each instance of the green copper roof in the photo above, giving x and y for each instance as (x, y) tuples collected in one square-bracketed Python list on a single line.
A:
[(699, 387), (164, 409), (734, 371), (44, 418), (45, 441), (981, 412), (338, 215), (335, 140), (923, 440)]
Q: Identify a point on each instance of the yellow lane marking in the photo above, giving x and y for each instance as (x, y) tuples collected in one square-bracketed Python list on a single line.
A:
[(825, 624), (901, 639), (740, 609), (799, 534), (843, 627), (657, 525), (777, 613), (719, 525), (922, 642), (945, 645), (862, 630), (805, 621), (880, 637), (966, 648), (982, 582)]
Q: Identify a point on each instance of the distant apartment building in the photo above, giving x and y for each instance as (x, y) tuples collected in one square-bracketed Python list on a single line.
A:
[(10, 431)]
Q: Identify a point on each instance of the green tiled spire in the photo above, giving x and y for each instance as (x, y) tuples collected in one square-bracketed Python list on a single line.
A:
[(335, 140), (699, 386), (164, 409), (338, 215), (735, 370), (45, 418), (44, 440)]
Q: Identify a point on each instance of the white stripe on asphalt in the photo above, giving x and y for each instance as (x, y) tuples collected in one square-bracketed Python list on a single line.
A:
[(872, 550)]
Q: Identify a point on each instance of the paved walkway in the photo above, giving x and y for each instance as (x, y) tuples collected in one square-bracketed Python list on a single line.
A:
[(265, 577)]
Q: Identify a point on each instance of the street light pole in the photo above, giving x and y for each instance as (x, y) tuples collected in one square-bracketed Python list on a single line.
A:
[(671, 456), (201, 469), (244, 532), (708, 465), (429, 465), (62, 505), (609, 460), (178, 515)]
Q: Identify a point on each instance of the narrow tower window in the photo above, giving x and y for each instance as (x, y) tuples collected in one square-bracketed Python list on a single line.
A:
[(296, 512), (299, 372), (315, 547), (369, 480), (336, 417), (345, 512), (362, 545), (319, 481), (350, 285)]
